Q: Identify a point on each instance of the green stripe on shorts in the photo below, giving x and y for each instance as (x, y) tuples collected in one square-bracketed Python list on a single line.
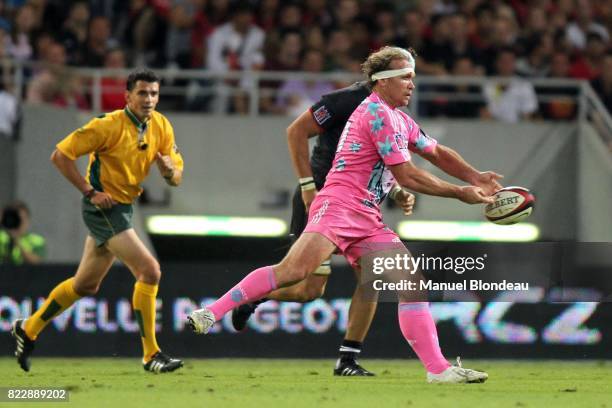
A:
[(103, 224)]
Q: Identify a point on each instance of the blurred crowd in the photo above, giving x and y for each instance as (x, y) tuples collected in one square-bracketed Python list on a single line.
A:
[(512, 38)]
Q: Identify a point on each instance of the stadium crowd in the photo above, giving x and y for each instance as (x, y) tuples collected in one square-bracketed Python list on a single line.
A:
[(511, 38)]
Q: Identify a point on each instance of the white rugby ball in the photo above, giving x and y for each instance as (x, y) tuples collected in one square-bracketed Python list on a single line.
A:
[(512, 205)]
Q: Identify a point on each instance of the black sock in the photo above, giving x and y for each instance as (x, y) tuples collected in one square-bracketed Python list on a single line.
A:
[(349, 350)]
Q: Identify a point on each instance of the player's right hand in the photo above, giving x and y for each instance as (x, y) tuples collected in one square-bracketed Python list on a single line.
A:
[(474, 195), (102, 200), (308, 197), (405, 200)]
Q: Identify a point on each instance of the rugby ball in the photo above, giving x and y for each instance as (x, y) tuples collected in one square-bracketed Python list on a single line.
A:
[(511, 205)]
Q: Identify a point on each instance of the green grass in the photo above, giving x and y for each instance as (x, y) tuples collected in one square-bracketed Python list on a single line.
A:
[(225, 383)]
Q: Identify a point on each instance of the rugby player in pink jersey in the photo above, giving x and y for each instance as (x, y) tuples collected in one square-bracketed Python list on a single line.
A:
[(373, 155)]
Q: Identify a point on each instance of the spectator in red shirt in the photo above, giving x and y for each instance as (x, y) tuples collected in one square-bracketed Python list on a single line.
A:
[(588, 66), (113, 87)]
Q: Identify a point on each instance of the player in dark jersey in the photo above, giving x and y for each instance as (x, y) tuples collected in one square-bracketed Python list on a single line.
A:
[(327, 119)]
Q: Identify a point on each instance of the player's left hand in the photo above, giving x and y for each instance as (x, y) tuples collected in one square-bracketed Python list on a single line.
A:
[(474, 195), (405, 200), (488, 181), (165, 165)]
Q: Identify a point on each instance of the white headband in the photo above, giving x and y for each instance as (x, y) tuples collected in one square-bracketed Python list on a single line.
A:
[(392, 73)]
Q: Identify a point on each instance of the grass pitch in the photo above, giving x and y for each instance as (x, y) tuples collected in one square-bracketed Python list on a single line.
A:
[(230, 383)]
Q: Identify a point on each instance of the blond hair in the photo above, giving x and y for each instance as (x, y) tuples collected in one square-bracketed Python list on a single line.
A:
[(381, 59)]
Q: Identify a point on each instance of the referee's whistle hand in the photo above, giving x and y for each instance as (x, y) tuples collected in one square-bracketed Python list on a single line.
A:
[(165, 165)]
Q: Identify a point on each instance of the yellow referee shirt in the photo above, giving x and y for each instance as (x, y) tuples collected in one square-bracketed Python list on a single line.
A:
[(121, 150)]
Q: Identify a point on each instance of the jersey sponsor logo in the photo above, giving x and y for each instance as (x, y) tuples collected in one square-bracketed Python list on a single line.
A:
[(401, 141), (321, 115)]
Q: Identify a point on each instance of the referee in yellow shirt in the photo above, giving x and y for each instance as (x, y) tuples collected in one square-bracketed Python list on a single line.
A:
[(122, 146)]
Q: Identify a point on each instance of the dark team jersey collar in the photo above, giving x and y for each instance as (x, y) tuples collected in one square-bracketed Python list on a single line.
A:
[(141, 126)]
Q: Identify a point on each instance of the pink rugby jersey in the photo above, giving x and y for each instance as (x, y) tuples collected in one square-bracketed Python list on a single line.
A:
[(375, 136)]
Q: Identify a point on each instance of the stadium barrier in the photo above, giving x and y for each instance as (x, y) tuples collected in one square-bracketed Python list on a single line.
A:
[(196, 88)]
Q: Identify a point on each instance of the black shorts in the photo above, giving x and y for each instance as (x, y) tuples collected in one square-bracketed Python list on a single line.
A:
[(299, 218)]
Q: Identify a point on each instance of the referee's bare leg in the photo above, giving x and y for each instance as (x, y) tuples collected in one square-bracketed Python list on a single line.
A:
[(94, 265), (132, 252)]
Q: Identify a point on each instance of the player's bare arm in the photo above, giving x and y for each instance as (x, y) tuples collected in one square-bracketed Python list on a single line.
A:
[(298, 133), (410, 176), (169, 172), (69, 170), (451, 162)]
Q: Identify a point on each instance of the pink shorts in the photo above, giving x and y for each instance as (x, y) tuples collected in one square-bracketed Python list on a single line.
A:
[(354, 232)]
